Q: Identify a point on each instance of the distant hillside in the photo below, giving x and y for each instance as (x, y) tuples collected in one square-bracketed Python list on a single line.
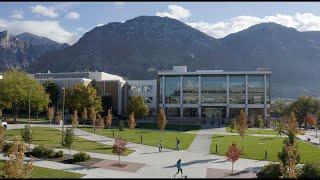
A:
[(21, 50), (139, 47)]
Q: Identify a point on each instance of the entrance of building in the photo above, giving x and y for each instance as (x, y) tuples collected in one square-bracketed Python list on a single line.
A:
[(213, 115)]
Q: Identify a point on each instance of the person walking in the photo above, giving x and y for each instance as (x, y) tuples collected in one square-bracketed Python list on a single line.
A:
[(160, 146), (177, 144), (178, 165)]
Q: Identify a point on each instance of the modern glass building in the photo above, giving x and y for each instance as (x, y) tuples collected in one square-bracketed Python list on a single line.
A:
[(213, 93)]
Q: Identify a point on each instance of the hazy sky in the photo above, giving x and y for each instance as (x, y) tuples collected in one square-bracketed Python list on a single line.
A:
[(67, 21)]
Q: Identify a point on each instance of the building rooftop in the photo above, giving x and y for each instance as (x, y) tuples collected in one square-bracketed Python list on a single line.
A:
[(182, 70)]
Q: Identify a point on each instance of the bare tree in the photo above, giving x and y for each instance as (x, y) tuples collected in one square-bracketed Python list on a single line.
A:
[(58, 117), (100, 122)]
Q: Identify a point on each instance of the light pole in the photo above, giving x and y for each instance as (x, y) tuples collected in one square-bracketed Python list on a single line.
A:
[(63, 101), (29, 104)]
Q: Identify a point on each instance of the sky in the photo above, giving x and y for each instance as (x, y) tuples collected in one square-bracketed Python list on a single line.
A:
[(66, 22)]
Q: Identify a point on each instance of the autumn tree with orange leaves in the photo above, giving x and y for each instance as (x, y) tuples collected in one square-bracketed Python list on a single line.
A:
[(233, 154)]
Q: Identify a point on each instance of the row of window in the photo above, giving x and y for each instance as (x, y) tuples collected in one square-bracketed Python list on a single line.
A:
[(214, 89)]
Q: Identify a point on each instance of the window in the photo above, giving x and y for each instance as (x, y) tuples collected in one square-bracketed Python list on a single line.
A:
[(190, 90), (172, 90), (237, 89), (213, 89)]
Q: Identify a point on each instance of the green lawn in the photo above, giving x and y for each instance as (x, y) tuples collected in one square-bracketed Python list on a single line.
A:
[(151, 136), (40, 172), (52, 137), (256, 131), (254, 147)]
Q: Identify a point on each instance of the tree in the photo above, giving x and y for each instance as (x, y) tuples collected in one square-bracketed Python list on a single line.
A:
[(52, 89), (119, 147), (161, 121), (27, 134), (279, 126), (242, 126), (279, 108), (289, 156), (15, 89), (84, 115), (137, 105), (303, 106), (14, 167), (74, 119), (50, 114), (108, 119), (93, 117), (232, 125), (233, 154), (80, 96), (312, 121), (68, 139), (131, 122)]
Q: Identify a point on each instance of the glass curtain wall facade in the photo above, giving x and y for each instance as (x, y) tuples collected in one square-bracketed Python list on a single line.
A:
[(237, 89), (213, 89), (214, 95)]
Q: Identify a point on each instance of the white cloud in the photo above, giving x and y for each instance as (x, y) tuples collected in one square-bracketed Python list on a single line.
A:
[(176, 12), (44, 11), (17, 14), (119, 3), (98, 25), (300, 21), (73, 15), (49, 29)]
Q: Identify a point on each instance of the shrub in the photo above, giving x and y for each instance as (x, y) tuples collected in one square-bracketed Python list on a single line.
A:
[(58, 154), (310, 171), (121, 125), (272, 171), (44, 152), (258, 122), (81, 156), (7, 148)]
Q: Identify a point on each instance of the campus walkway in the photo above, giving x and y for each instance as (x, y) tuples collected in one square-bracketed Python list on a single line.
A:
[(196, 163)]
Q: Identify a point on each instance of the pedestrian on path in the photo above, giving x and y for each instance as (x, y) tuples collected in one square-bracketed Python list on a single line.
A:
[(177, 144), (160, 146), (178, 165)]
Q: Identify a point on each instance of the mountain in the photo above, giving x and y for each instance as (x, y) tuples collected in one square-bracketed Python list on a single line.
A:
[(21, 50), (139, 47)]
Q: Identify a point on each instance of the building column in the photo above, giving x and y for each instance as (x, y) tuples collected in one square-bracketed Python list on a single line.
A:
[(246, 100), (228, 102), (181, 98), (199, 94), (265, 97), (163, 95)]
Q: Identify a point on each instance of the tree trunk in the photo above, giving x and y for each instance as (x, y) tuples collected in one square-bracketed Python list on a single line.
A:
[(37, 114), (15, 113), (305, 125), (242, 143)]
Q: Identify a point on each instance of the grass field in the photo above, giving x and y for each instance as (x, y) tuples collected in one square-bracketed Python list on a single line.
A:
[(256, 131), (254, 147), (40, 172), (52, 137), (150, 136)]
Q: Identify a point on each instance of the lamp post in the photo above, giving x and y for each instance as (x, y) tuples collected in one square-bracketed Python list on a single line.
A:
[(63, 101), (29, 104)]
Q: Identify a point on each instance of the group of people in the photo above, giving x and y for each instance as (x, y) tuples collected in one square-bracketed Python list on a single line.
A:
[(177, 145)]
